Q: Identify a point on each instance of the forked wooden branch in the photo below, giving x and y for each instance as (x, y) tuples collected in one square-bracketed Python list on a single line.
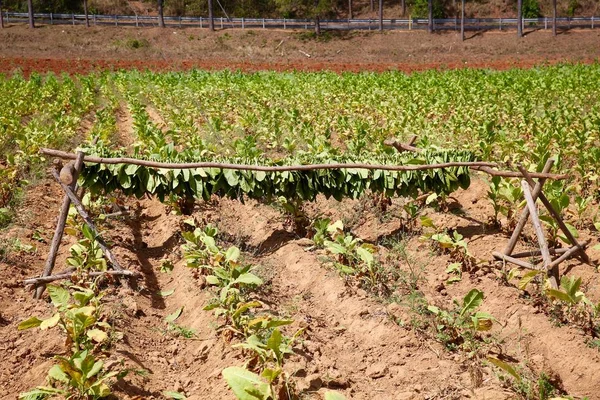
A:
[(557, 217), (510, 246), (537, 226), (88, 220), (60, 227), (477, 165), (67, 275), (401, 147)]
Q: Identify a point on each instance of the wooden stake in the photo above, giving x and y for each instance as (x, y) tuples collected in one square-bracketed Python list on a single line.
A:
[(537, 226), (576, 248), (88, 220), (557, 217), (510, 247), (60, 228), (537, 253)]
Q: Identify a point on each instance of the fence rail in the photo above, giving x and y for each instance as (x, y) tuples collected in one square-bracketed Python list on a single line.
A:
[(471, 24)]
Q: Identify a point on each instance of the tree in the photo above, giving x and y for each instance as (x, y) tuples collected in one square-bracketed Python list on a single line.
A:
[(161, 16), (1, 16), (30, 12), (381, 15), (85, 10), (313, 9), (430, 16), (211, 19), (520, 18), (403, 6), (554, 17), (350, 13), (462, 21)]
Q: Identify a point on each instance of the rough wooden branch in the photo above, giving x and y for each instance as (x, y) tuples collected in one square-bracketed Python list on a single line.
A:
[(513, 174), (282, 168), (88, 220), (537, 253), (572, 250), (67, 275), (557, 217), (537, 226), (403, 146), (60, 227), (510, 246), (476, 165), (516, 261)]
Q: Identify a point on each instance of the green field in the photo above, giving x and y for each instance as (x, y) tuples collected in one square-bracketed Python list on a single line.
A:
[(516, 116)]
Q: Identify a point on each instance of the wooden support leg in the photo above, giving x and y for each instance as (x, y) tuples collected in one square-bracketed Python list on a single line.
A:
[(510, 247), (88, 220), (537, 225), (557, 217), (60, 228)]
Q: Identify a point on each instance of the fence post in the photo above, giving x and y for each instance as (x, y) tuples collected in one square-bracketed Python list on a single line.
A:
[(592, 22), (136, 21), (284, 23), (546, 23), (221, 22), (200, 22), (409, 23), (263, 23), (243, 26), (73, 19), (116, 21)]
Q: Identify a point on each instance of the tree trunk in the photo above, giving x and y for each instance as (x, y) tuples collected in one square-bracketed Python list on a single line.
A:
[(85, 11), (520, 18), (462, 21), (430, 18), (317, 25), (380, 15), (403, 6), (30, 12), (554, 17), (161, 16), (372, 5), (350, 12), (1, 16), (211, 19)]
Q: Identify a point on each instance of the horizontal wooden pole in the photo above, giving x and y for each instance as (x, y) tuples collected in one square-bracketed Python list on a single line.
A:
[(67, 275), (281, 168), (570, 251), (477, 165), (553, 251), (514, 174), (513, 260)]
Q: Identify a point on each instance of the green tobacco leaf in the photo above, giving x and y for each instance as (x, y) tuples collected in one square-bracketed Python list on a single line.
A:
[(506, 367), (29, 323), (248, 279), (174, 316), (97, 335), (365, 255), (246, 385), (233, 253), (558, 294), (59, 295), (50, 322), (528, 277), (334, 396), (58, 374), (471, 301)]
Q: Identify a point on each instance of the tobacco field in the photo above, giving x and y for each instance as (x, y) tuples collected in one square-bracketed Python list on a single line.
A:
[(324, 284)]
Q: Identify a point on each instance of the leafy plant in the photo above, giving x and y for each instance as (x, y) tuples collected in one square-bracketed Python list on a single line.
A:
[(81, 376), (458, 328), (77, 314)]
